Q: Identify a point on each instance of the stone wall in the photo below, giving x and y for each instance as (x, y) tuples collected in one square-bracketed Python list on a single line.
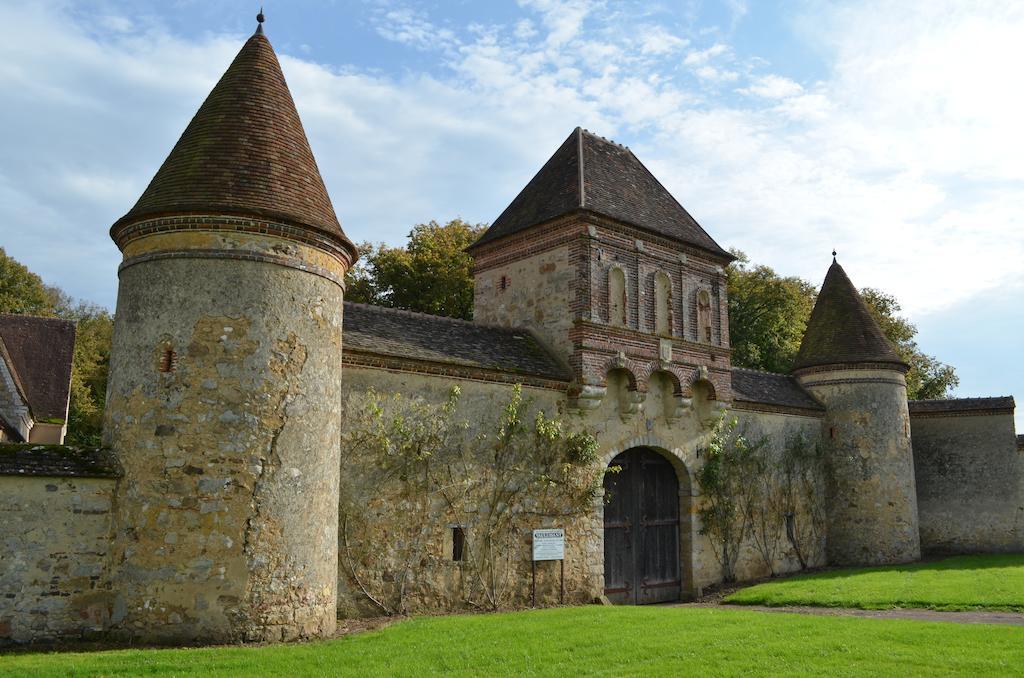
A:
[(535, 291), (223, 407), (970, 482), (397, 545), (55, 558), (872, 501), (780, 429), (371, 553)]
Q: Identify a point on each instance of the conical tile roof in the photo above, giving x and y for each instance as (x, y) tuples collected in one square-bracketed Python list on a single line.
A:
[(244, 153), (588, 172), (842, 330)]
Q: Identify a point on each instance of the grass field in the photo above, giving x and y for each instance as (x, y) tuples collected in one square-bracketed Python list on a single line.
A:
[(649, 641), (992, 582)]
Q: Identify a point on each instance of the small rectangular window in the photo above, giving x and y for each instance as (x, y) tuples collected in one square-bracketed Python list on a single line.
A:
[(458, 543), (791, 527)]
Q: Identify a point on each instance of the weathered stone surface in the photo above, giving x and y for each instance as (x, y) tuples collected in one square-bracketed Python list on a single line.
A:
[(872, 517), (55, 557), (227, 515), (440, 584), (970, 482)]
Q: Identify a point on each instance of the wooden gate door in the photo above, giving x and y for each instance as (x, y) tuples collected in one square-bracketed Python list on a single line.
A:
[(641, 529)]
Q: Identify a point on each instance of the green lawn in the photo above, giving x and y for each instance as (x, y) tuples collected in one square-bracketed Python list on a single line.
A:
[(648, 641), (993, 582)]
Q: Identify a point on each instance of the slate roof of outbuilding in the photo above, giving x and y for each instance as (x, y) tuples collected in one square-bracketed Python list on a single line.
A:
[(768, 388), (57, 461), (429, 338), (244, 153), (961, 405), (588, 172), (841, 329), (41, 350)]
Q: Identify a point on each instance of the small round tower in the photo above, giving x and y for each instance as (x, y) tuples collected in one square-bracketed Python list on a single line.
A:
[(847, 363), (224, 392)]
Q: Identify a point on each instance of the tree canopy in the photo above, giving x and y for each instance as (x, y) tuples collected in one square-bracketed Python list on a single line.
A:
[(431, 274), (768, 315)]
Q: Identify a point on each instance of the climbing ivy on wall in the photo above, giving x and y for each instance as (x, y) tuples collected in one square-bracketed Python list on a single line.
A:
[(760, 495), (412, 468)]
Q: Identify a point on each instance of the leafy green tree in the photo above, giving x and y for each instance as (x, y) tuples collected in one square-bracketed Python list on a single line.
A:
[(928, 377), (94, 328), (767, 315), (431, 274), (21, 290)]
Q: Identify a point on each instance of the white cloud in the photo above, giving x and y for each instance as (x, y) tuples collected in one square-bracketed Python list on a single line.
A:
[(656, 40), (905, 152), (699, 57), (773, 86)]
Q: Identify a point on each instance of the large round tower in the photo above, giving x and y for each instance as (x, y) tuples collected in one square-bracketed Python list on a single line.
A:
[(225, 375), (848, 364)]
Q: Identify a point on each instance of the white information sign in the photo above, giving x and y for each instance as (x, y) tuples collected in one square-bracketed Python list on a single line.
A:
[(549, 544)]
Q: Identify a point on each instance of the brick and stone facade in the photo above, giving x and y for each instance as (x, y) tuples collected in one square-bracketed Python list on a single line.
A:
[(217, 511)]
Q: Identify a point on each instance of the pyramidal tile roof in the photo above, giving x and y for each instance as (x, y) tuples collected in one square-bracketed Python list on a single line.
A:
[(588, 172), (842, 329), (244, 153)]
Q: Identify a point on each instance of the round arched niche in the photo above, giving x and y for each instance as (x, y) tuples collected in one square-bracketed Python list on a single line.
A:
[(702, 393), (664, 396), (622, 395)]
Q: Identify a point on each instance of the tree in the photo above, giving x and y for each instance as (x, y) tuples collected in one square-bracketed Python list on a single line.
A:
[(21, 290), (431, 274), (927, 378), (94, 328), (767, 315)]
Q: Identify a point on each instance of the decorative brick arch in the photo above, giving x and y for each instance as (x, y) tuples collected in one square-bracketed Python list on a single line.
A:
[(676, 375), (700, 376), (633, 369)]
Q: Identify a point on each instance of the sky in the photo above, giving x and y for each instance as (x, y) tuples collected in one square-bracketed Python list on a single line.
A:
[(888, 131)]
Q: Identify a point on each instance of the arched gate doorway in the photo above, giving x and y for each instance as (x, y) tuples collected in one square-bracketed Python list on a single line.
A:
[(641, 529)]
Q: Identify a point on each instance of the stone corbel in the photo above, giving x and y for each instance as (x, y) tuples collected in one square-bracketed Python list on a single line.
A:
[(680, 404), (632, 404), (589, 398)]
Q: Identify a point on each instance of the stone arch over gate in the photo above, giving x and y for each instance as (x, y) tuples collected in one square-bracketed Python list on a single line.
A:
[(646, 543)]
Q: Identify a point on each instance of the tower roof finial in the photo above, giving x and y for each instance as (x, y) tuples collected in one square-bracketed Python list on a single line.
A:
[(259, 20), (833, 254)]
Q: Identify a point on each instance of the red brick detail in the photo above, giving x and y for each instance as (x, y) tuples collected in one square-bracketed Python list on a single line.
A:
[(594, 246)]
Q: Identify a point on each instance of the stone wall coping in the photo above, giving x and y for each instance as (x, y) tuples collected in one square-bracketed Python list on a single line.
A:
[(59, 461), (962, 406)]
